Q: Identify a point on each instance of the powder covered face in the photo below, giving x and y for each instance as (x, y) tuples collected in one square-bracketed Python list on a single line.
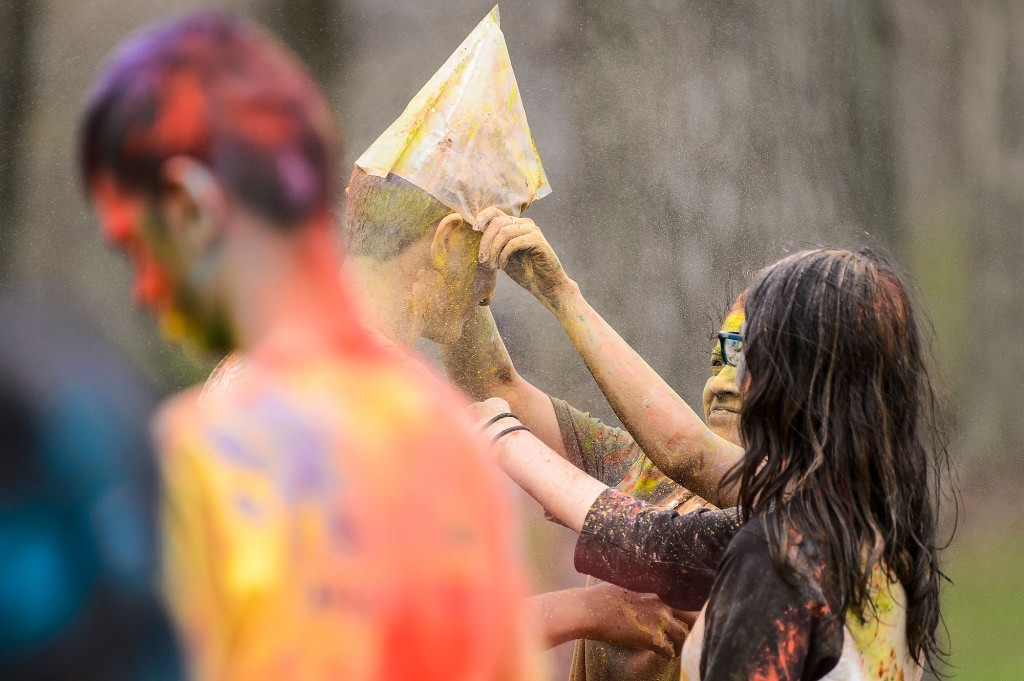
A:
[(721, 394), (161, 274), (213, 93), (466, 285), (123, 219)]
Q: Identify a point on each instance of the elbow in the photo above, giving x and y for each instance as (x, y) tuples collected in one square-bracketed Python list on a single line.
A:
[(686, 458), (506, 383)]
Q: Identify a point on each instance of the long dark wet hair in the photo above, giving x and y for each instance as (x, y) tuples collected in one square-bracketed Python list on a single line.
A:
[(842, 427)]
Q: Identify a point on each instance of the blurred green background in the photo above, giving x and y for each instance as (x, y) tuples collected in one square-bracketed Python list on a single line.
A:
[(688, 144)]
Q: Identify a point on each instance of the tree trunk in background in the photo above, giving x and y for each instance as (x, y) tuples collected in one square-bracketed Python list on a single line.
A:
[(17, 20), (961, 123)]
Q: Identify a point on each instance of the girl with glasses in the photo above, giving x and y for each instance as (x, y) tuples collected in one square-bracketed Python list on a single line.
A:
[(827, 568)]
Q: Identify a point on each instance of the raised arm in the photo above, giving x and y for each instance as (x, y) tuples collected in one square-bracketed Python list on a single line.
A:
[(479, 364), (667, 429)]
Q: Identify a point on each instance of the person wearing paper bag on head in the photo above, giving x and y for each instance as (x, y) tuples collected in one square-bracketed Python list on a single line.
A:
[(463, 143), (486, 156)]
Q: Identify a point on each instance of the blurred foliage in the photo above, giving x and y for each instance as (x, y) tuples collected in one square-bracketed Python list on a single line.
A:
[(983, 608)]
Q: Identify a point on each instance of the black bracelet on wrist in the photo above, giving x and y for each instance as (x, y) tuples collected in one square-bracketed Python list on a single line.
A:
[(511, 429), (497, 417)]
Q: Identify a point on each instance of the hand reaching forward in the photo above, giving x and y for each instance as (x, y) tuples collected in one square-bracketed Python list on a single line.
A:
[(603, 612), (517, 246), (611, 614), (637, 620)]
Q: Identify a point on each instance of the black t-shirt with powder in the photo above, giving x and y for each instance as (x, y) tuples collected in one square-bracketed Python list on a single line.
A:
[(763, 620)]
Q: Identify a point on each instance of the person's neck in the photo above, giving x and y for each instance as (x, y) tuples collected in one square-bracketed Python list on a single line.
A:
[(391, 292), (285, 293)]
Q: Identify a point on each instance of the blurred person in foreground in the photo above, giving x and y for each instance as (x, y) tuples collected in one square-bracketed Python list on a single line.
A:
[(413, 254), (329, 516), (77, 509)]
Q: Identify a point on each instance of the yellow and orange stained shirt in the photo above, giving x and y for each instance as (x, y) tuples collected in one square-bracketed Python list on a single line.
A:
[(333, 517)]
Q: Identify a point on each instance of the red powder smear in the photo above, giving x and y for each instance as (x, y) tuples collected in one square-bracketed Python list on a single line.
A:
[(182, 122), (152, 288), (778, 664), (262, 125), (428, 648), (121, 219), (119, 212)]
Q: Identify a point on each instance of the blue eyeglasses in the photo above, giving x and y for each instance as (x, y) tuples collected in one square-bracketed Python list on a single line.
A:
[(732, 347)]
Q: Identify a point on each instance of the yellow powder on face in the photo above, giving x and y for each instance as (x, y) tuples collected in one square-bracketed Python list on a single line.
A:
[(732, 324), (734, 321), (177, 328)]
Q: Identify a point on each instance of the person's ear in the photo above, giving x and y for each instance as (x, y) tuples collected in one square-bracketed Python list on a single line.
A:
[(444, 237), (193, 203)]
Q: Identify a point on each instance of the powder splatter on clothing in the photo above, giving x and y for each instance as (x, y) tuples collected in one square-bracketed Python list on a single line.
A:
[(800, 631), (331, 517), (613, 457), (649, 549), (762, 621)]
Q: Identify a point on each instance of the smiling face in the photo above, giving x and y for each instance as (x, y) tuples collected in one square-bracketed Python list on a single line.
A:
[(721, 394)]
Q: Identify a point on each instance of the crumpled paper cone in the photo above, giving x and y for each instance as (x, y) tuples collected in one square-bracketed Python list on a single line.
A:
[(464, 138)]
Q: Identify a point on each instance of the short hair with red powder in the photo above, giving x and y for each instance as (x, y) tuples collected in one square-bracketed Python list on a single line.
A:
[(220, 90)]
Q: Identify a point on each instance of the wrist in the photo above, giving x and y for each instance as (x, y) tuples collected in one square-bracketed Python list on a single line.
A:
[(504, 447), (565, 299), (585, 614), (561, 616), (591, 613), (502, 427)]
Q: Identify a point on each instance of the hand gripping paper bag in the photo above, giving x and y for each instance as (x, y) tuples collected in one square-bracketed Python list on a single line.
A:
[(464, 138)]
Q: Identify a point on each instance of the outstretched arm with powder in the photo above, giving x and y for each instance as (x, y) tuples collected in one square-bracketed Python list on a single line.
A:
[(623, 540), (479, 364), (668, 430)]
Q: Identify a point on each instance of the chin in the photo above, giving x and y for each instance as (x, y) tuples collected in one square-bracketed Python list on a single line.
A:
[(445, 335), (725, 424), (195, 338), (447, 328)]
